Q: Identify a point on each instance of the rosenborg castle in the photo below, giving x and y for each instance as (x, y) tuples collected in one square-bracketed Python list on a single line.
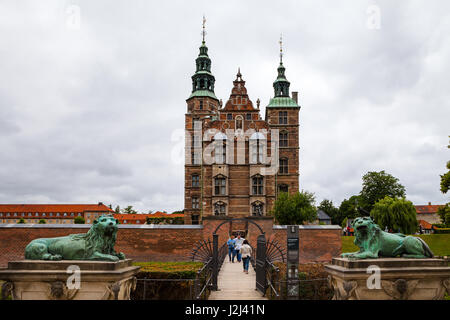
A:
[(236, 162)]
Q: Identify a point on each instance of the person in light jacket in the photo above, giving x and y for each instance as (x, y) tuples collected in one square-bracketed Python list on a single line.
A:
[(246, 252)]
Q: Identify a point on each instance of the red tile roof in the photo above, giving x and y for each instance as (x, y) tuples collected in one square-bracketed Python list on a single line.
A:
[(425, 224), (53, 208), (427, 208)]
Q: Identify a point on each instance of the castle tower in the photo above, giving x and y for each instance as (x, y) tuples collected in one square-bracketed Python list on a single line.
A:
[(282, 113), (202, 105)]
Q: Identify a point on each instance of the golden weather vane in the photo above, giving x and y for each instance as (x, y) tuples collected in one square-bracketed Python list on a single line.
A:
[(281, 47), (203, 26)]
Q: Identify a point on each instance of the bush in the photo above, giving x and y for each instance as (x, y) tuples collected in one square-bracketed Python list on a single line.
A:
[(79, 220), (165, 290), (22, 220), (441, 230), (42, 221), (295, 209), (176, 220)]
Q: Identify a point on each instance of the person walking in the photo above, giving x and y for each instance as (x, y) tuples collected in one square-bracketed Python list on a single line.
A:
[(246, 252), (231, 251), (239, 243)]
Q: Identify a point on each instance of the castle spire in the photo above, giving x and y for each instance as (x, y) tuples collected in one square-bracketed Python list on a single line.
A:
[(203, 80), (281, 84)]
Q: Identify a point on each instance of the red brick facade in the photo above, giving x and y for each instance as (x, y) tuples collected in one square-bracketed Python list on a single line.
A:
[(175, 243)]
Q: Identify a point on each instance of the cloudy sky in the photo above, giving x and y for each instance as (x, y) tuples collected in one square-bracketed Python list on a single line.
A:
[(92, 94)]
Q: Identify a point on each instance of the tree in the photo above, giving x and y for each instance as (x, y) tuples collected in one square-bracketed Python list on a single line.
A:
[(397, 214), (129, 210), (21, 220), (79, 220), (444, 214), (348, 208), (295, 209), (333, 212), (42, 221), (117, 209), (378, 185), (445, 180)]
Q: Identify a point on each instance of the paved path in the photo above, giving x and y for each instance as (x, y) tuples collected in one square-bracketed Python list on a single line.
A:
[(234, 284)]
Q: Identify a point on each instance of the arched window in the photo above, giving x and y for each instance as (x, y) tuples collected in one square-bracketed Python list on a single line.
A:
[(257, 147), (239, 123), (257, 209), (220, 186), (220, 208), (258, 185), (283, 166)]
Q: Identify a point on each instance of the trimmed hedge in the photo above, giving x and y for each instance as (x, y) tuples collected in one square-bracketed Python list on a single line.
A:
[(165, 290)]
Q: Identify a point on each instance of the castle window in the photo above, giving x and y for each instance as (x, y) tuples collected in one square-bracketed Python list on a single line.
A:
[(239, 122), (195, 158), (257, 145), (195, 219), (229, 116), (283, 166), (257, 209), (201, 105), (248, 116), (220, 148), (283, 139), (195, 203), (283, 188), (220, 186), (195, 180), (220, 209), (257, 185), (282, 117)]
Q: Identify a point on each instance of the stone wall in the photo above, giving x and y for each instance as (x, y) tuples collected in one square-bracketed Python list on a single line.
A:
[(174, 242)]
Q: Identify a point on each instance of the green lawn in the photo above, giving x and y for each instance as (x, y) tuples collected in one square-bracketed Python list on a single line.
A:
[(438, 243)]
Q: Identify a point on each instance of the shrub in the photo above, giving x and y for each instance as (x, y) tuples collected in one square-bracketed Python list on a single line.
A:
[(22, 220), (165, 290), (42, 221), (79, 220)]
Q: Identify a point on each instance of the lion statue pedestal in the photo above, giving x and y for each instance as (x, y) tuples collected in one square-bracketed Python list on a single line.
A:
[(78, 266), (399, 279), (69, 280)]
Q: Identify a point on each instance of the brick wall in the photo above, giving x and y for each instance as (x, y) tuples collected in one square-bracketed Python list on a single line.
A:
[(174, 242)]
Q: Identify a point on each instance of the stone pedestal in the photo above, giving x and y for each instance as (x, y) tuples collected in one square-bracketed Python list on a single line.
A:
[(57, 280), (400, 279)]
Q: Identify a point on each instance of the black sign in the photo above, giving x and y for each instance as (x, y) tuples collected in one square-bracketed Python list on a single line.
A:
[(292, 244)]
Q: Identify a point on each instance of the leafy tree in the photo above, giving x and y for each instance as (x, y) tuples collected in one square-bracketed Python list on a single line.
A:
[(333, 212), (295, 209), (348, 208), (79, 220), (444, 214), (117, 209), (42, 221), (21, 220), (378, 185), (445, 180), (129, 210), (397, 214)]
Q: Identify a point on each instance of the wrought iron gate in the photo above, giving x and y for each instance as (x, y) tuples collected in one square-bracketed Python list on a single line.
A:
[(261, 280)]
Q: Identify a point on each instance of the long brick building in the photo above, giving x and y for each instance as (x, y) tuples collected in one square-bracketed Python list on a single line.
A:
[(51, 213), (236, 162)]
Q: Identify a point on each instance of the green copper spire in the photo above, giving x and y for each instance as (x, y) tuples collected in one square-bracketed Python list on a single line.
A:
[(203, 80), (281, 86)]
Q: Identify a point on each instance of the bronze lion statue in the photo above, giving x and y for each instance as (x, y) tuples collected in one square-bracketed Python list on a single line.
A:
[(375, 243), (97, 244)]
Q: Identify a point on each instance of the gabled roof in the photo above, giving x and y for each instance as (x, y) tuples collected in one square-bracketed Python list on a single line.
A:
[(425, 224), (322, 215)]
